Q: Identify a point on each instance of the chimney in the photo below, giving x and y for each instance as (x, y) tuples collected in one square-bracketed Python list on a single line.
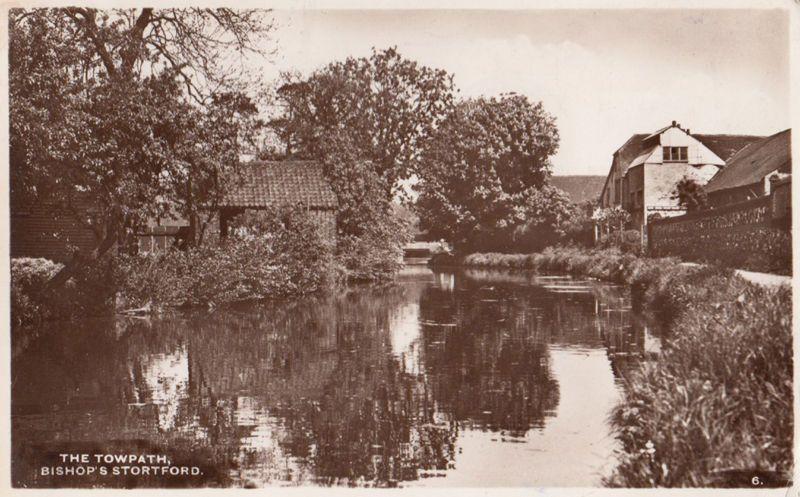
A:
[(688, 131), (674, 123)]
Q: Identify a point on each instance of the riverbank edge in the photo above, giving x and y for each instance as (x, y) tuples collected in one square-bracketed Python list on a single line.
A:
[(715, 409)]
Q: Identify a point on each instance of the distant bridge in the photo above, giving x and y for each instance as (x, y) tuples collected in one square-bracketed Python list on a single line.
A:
[(420, 252)]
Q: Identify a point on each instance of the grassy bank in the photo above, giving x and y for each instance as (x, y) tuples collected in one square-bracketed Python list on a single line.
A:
[(715, 409)]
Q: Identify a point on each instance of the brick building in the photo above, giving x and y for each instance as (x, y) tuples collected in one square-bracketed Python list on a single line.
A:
[(56, 232), (265, 184)]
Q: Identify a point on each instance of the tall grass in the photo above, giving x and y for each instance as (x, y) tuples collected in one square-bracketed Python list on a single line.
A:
[(715, 409)]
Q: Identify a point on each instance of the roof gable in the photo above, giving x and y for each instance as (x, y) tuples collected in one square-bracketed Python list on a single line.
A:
[(278, 183), (755, 161)]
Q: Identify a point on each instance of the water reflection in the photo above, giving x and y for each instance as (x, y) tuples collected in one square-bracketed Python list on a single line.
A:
[(471, 378)]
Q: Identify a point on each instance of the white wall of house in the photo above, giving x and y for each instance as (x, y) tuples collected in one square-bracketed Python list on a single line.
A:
[(661, 178), (699, 154)]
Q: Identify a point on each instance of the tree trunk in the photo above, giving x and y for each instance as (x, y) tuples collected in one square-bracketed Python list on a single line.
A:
[(79, 261)]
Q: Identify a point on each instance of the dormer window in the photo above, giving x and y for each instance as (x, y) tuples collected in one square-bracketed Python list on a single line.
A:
[(676, 154)]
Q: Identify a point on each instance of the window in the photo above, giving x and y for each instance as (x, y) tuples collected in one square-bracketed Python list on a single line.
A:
[(676, 154)]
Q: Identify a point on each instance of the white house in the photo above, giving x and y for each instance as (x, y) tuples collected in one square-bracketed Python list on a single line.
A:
[(646, 169)]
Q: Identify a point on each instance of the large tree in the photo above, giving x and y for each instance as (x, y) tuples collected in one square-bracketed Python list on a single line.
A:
[(385, 105), (484, 169), (118, 108), (366, 119)]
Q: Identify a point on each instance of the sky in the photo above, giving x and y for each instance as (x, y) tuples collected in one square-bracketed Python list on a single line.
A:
[(603, 74)]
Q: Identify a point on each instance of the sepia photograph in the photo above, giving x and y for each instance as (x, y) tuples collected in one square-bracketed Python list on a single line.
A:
[(414, 248)]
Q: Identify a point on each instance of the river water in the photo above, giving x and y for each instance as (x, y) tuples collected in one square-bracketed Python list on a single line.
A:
[(474, 378)]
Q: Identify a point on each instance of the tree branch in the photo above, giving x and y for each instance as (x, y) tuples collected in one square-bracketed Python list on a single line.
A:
[(135, 38), (90, 26)]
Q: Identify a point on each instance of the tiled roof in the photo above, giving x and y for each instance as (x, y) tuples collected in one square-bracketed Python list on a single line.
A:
[(726, 145), (754, 162), (579, 187), (277, 183)]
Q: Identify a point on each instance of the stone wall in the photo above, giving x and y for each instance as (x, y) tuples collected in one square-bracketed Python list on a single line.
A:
[(748, 235)]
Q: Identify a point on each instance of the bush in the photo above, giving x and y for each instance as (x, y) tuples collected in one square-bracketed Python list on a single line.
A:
[(274, 254), (376, 254), (28, 277), (88, 294), (719, 399), (629, 241)]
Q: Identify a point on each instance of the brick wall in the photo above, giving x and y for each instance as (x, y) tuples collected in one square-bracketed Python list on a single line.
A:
[(748, 235)]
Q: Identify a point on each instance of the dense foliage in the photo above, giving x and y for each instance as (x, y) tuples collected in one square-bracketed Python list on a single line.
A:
[(385, 105), (273, 254), (721, 391), (89, 293), (366, 119), (485, 168), (549, 218), (690, 194), (119, 116)]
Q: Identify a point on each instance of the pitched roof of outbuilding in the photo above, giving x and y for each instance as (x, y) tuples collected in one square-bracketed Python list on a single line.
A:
[(725, 146), (277, 183), (755, 161)]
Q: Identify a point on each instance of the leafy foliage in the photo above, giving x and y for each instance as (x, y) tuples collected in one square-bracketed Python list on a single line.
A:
[(721, 391), (271, 254), (89, 293), (485, 165), (548, 215), (371, 231), (387, 105), (580, 227), (614, 217), (101, 127), (690, 195), (366, 119)]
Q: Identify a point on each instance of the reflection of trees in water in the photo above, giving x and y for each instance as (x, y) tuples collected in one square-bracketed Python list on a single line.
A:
[(297, 391), (578, 313), (341, 407), (486, 362), (310, 390)]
